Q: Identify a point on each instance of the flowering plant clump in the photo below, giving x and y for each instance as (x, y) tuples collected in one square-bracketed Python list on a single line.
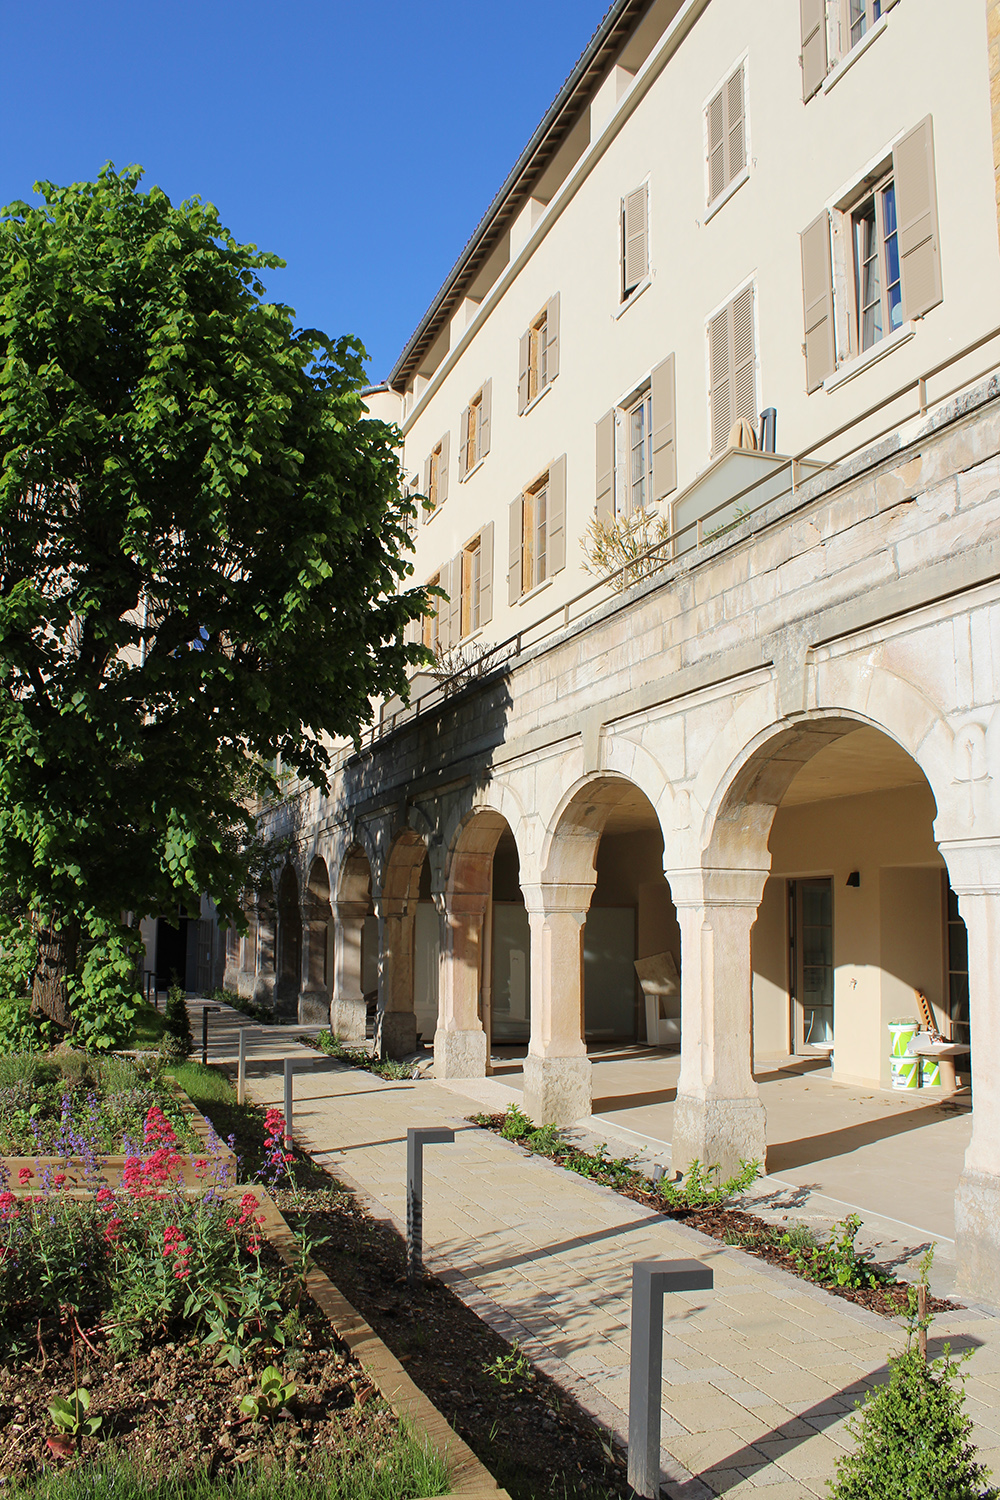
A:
[(278, 1156), (70, 1104)]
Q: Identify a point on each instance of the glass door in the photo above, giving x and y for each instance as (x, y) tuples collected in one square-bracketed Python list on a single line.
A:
[(810, 928)]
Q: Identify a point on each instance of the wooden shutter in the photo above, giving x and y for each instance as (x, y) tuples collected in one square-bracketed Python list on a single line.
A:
[(917, 220), (552, 338), (486, 574), (636, 238), (736, 140), (606, 469), (720, 378), (813, 58), (443, 462), (817, 301), (716, 146), (744, 360), (485, 418), (556, 517), (515, 512), (455, 602), (427, 486), (443, 608), (662, 390), (523, 367), (463, 450)]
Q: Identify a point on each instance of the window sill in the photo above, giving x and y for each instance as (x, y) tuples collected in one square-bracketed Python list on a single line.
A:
[(727, 193), (429, 515), (862, 362), (545, 584), (473, 635), (469, 472), (542, 393), (850, 58), (632, 299)]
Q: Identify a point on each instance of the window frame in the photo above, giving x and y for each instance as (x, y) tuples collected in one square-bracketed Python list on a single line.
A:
[(875, 195), (748, 283), (434, 479), (470, 609), (628, 292), (431, 624), (736, 180), (538, 332), (534, 534), (624, 484), (473, 442), (870, 13)]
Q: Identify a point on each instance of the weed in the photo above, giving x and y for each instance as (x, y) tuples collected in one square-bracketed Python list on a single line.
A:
[(511, 1368), (836, 1262), (70, 1416), (275, 1392)]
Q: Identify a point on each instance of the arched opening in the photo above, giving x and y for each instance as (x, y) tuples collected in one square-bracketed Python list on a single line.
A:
[(408, 956), (355, 993), (317, 931), (266, 930), (507, 1003), (289, 942)]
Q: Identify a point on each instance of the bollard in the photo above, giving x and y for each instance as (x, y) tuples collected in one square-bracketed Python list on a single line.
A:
[(204, 1032), (241, 1068), (650, 1279), (290, 1065), (416, 1139)]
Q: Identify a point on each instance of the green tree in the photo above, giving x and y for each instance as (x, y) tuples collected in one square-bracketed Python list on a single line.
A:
[(202, 555)]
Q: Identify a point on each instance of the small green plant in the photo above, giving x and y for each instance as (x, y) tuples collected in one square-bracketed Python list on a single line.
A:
[(511, 1368), (516, 1124), (275, 1392), (70, 1415), (796, 1237), (703, 1187), (178, 1025), (330, 1043), (837, 1262), (617, 550), (389, 1068)]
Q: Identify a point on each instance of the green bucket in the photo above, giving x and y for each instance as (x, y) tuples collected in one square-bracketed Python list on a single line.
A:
[(930, 1072), (905, 1070)]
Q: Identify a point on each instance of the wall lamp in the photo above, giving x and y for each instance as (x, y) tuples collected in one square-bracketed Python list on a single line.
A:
[(854, 878)]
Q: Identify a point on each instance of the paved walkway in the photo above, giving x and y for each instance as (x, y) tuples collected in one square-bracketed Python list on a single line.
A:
[(759, 1374)]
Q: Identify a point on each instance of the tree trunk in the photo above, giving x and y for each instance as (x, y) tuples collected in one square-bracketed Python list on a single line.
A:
[(55, 960)]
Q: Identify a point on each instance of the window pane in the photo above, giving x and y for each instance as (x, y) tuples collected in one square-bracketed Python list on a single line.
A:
[(541, 507), (528, 544), (893, 291), (859, 21), (867, 273)]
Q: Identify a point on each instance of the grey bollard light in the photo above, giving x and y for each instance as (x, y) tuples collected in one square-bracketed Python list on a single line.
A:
[(290, 1065), (241, 1068), (650, 1279), (417, 1137)]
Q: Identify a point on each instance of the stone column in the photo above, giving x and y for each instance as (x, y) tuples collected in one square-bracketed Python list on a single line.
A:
[(347, 1013), (395, 1023), (314, 995), (974, 870), (557, 1070), (460, 1041), (264, 983), (718, 1116)]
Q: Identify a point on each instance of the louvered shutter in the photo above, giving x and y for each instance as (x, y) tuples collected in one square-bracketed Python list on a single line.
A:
[(443, 463), (523, 365), (720, 375), (552, 338), (744, 360), (606, 469), (515, 513), (813, 57), (817, 301), (427, 486), (636, 238), (716, 147), (736, 143), (463, 449), (486, 574), (485, 421), (556, 518), (661, 384), (917, 220), (444, 610), (455, 602)]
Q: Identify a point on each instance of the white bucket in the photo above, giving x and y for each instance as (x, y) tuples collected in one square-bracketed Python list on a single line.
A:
[(905, 1070)]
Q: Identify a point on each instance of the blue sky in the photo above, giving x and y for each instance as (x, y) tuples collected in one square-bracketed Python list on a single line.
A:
[(361, 142)]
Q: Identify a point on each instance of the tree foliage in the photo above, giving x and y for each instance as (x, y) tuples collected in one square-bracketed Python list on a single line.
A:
[(202, 553)]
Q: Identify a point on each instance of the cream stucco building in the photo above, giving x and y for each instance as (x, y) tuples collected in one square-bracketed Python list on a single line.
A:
[(744, 283)]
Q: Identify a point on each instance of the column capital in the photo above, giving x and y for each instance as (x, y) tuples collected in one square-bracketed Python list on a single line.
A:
[(351, 911), (973, 865), (466, 903), (715, 887), (553, 899)]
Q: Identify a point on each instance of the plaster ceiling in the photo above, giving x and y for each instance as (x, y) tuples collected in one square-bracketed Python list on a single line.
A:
[(863, 761)]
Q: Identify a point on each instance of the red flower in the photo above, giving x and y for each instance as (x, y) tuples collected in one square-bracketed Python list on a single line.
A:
[(25, 1175), (230, 1223), (59, 1179)]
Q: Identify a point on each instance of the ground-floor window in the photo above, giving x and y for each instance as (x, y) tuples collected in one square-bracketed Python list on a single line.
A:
[(958, 973), (810, 960)]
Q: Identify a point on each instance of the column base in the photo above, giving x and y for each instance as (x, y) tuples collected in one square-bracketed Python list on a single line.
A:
[(557, 1090), (314, 1008), (977, 1237), (395, 1033), (718, 1133), (459, 1054), (349, 1019)]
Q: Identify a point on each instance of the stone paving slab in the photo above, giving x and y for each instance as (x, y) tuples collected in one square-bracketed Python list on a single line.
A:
[(759, 1375)]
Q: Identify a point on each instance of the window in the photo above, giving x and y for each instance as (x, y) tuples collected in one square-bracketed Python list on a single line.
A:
[(725, 127), (861, 16), (635, 240), (436, 476), (472, 557), (475, 437), (538, 363), (537, 532), (639, 461), (468, 582), (430, 622), (878, 290), (732, 368), (636, 449)]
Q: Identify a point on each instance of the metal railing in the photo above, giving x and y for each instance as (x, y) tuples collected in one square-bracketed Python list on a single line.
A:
[(660, 556)]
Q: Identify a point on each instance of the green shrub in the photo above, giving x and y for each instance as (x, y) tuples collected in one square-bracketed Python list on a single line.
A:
[(836, 1262), (178, 1021)]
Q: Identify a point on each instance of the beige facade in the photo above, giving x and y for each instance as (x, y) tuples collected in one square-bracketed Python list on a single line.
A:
[(772, 763)]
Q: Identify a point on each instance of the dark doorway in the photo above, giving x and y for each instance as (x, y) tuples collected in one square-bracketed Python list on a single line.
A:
[(171, 952)]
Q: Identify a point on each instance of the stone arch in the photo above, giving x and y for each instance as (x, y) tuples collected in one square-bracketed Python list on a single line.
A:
[(289, 963), (355, 946), (395, 1021), (317, 933), (574, 830)]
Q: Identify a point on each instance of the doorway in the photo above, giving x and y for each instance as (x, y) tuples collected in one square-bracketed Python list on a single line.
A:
[(810, 962)]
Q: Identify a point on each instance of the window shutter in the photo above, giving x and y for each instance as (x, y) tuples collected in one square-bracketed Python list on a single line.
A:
[(661, 384), (606, 469), (523, 361), (716, 147), (552, 338), (485, 416), (443, 468), (735, 129), (427, 486), (817, 301), (813, 58), (444, 609), (556, 517), (636, 236), (455, 602), (486, 574), (515, 512), (917, 221), (744, 360), (463, 450), (720, 376)]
